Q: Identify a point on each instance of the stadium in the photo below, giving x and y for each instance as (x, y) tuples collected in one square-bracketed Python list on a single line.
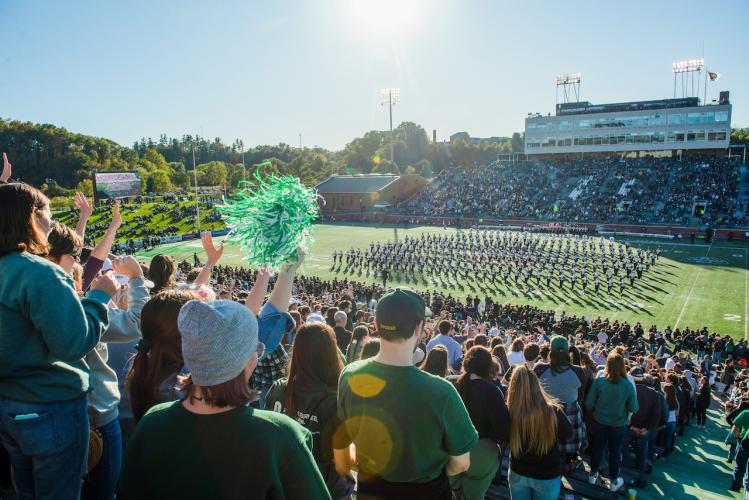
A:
[(558, 313)]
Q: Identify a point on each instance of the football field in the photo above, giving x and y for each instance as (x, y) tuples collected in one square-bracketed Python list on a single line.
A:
[(692, 285)]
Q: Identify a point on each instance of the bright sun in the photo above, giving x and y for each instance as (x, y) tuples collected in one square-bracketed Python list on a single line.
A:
[(392, 18)]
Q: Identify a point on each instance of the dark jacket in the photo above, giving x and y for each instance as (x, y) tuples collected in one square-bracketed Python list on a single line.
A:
[(703, 396), (744, 405), (650, 413), (342, 338)]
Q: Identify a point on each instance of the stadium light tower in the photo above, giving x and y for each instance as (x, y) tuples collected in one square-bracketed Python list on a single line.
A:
[(197, 197), (390, 97), (684, 71), (570, 83)]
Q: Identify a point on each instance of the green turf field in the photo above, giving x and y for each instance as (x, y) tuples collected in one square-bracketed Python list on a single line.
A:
[(692, 285)]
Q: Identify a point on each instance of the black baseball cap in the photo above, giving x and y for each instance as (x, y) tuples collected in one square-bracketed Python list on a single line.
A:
[(399, 311)]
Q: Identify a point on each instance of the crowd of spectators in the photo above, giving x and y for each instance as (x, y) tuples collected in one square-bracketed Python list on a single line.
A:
[(165, 380), (606, 190)]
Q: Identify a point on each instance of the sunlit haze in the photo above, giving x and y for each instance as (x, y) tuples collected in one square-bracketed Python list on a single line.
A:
[(266, 72)]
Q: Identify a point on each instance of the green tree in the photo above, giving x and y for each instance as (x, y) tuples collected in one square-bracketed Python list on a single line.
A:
[(386, 167), (213, 173), (86, 186), (517, 143), (158, 182)]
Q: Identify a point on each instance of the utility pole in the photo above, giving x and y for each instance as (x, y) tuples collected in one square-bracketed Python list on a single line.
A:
[(391, 97), (197, 198)]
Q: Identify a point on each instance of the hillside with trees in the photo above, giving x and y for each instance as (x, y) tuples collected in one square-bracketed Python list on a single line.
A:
[(59, 160)]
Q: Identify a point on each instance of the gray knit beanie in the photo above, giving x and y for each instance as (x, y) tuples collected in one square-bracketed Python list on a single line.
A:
[(218, 339)]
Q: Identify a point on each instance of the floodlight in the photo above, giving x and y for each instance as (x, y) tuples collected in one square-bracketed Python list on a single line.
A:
[(390, 97), (568, 78), (688, 65)]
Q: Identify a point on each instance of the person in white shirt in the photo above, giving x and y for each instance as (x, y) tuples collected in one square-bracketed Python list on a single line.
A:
[(603, 337), (515, 356), (670, 363)]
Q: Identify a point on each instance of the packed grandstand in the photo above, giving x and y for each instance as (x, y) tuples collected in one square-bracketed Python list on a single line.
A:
[(508, 347)]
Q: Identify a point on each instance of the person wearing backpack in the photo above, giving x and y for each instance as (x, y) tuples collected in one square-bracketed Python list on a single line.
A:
[(565, 382), (309, 395)]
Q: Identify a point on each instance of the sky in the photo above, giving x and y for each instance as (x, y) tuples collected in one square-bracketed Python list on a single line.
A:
[(266, 72)]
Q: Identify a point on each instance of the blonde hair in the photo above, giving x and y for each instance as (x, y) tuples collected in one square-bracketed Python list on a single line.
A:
[(533, 422)]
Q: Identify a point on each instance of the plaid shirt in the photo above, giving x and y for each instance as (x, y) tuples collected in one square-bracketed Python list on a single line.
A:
[(269, 369)]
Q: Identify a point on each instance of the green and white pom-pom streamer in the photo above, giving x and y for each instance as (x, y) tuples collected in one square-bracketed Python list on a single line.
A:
[(270, 218)]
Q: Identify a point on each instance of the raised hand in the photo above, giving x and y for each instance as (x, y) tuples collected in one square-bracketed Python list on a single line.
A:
[(116, 215), (85, 206), (106, 283), (295, 262), (7, 167), (127, 266), (212, 253)]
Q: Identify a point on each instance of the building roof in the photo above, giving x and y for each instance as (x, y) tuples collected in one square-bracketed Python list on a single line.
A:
[(585, 107), (367, 183)]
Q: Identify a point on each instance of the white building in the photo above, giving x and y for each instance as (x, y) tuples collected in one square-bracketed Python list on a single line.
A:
[(668, 124)]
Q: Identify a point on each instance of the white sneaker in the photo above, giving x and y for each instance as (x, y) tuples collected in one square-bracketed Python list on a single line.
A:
[(615, 485), (592, 478)]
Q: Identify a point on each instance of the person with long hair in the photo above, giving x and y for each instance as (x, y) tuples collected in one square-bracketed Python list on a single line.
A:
[(359, 337), (124, 326), (611, 399), (211, 443), (161, 271), (499, 352), (669, 390), (515, 357), (45, 332), (488, 411), (370, 349), (537, 427), (308, 395), (565, 382), (436, 362), (703, 397), (157, 365)]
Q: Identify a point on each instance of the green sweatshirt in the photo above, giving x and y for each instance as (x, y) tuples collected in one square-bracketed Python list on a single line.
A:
[(611, 403), (45, 330), (238, 454)]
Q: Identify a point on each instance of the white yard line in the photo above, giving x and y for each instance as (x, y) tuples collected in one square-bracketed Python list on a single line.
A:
[(746, 291), (684, 306)]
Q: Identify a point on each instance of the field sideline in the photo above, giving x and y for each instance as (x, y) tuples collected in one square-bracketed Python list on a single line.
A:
[(692, 285)]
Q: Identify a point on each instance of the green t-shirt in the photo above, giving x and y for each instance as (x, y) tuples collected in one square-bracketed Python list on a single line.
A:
[(404, 422), (742, 422), (612, 403), (240, 454)]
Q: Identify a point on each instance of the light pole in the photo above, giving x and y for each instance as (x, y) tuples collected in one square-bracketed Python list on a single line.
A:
[(390, 97), (197, 199), (686, 70)]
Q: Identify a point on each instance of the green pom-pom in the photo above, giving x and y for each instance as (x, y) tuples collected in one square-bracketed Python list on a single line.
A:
[(270, 218)]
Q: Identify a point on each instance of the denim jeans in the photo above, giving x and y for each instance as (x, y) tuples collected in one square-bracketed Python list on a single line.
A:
[(652, 437), (102, 480), (527, 488), (48, 447), (606, 437), (669, 437), (732, 447), (739, 471), (642, 446)]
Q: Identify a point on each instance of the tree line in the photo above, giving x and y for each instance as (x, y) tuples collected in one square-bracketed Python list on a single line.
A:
[(60, 161)]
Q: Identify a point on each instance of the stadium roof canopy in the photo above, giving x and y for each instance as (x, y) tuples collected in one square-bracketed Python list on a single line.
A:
[(368, 183)]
